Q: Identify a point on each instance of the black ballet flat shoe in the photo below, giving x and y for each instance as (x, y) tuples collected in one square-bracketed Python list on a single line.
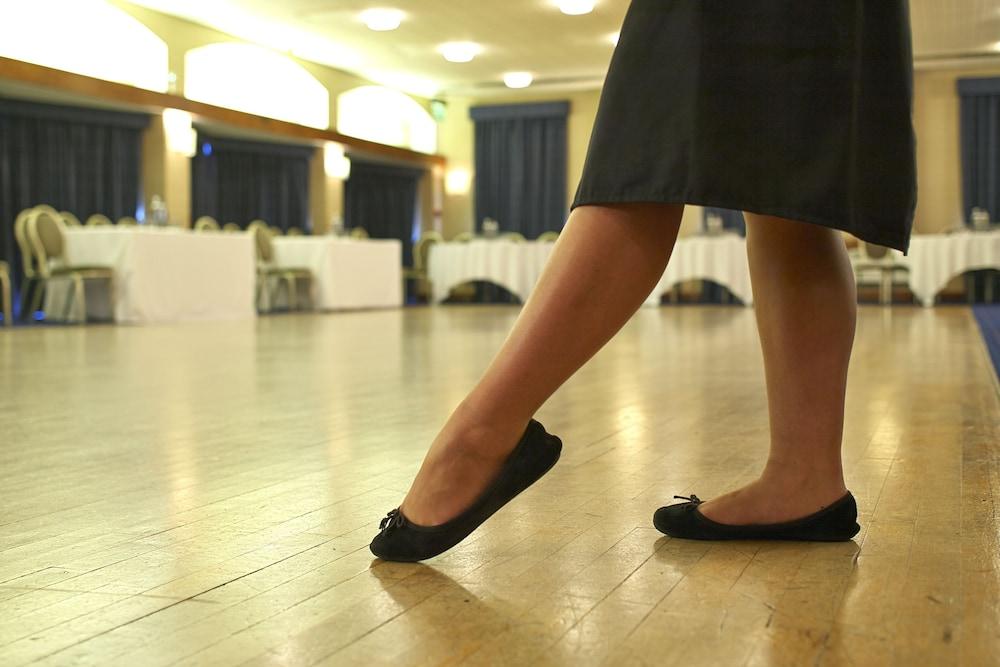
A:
[(837, 522), (402, 540)]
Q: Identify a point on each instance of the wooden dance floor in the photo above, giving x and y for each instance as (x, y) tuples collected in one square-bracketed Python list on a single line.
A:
[(205, 495)]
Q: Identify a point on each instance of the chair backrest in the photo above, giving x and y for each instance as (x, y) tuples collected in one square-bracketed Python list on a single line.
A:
[(23, 243), (206, 223), (516, 237), (70, 219), (421, 251), (128, 221), (359, 233), (231, 227), (872, 251), (462, 237), (294, 231), (262, 240), (548, 237), (46, 234), (433, 235), (98, 220)]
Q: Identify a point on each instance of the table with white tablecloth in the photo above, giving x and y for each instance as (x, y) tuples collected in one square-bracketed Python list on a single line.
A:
[(347, 273), (721, 259), (935, 259), (515, 266), (161, 274)]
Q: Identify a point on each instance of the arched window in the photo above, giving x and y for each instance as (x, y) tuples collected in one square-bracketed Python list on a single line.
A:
[(255, 80), (88, 37), (387, 116)]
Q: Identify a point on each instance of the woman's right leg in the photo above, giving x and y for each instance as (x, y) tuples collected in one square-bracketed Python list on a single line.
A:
[(603, 267)]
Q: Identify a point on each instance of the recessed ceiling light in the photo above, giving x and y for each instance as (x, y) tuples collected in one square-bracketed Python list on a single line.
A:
[(460, 52), (576, 7), (518, 79), (382, 19)]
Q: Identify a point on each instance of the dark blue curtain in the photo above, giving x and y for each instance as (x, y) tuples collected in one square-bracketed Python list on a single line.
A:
[(80, 160), (382, 198), (980, 132), (239, 181), (520, 160), (980, 141)]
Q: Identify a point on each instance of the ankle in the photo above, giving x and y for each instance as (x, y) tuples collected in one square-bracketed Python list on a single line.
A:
[(800, 476), (471, 414), (477, 432)]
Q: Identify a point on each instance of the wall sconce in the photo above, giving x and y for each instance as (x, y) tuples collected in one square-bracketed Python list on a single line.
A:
[(181, 136), (335, 163), (458, 181)]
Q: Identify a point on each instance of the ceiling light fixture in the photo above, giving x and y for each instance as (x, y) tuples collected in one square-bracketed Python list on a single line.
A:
[(518, 79), (381, 19), (576, 7), (460, 52)]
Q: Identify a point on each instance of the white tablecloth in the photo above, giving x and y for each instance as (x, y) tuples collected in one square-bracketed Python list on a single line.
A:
[(162, 275), (509, 264), (722, 259), (517, 266), (347, 273), (934, 259)]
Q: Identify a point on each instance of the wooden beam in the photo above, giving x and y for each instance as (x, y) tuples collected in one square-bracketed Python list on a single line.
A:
[(109, 91)]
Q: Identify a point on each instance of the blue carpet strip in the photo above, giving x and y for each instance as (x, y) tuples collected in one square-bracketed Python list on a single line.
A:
[(989, 322)]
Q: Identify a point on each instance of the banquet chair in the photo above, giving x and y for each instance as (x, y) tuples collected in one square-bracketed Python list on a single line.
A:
[(359, 233), (206, 223), (516, 237), (879, 260), (98, 220), (31, 284), (418, 272), (231, 227), (70, 219), (5, 303), (127, 221), (46, 233), (548, 237), (462, 237), (267, 272), (295, 231)]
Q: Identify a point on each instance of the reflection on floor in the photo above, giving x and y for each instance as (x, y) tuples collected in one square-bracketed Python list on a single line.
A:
[(205, 494)]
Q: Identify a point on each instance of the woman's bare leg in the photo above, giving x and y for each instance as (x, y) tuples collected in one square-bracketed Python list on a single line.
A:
[(806, 306), (605, 264)]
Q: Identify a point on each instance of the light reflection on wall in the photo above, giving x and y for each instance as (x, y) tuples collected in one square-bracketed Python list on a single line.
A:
[(255, 80), (386, 116), (88, 37)]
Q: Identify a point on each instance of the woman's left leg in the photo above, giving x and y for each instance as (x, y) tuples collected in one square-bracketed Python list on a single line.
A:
[(806, 305)]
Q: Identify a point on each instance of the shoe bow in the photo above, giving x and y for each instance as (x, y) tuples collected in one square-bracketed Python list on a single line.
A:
[(692, 499), (393, 519)]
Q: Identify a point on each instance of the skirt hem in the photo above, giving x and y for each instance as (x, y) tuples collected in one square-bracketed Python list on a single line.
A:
[(584, 198)]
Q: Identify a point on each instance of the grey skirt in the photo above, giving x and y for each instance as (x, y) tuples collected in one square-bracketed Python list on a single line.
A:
[(800, 110)]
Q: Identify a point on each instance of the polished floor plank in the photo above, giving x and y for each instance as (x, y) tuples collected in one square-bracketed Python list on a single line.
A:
[(205, 494)]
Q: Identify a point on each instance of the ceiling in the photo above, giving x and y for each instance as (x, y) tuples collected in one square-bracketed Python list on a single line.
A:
[(564, 52)]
